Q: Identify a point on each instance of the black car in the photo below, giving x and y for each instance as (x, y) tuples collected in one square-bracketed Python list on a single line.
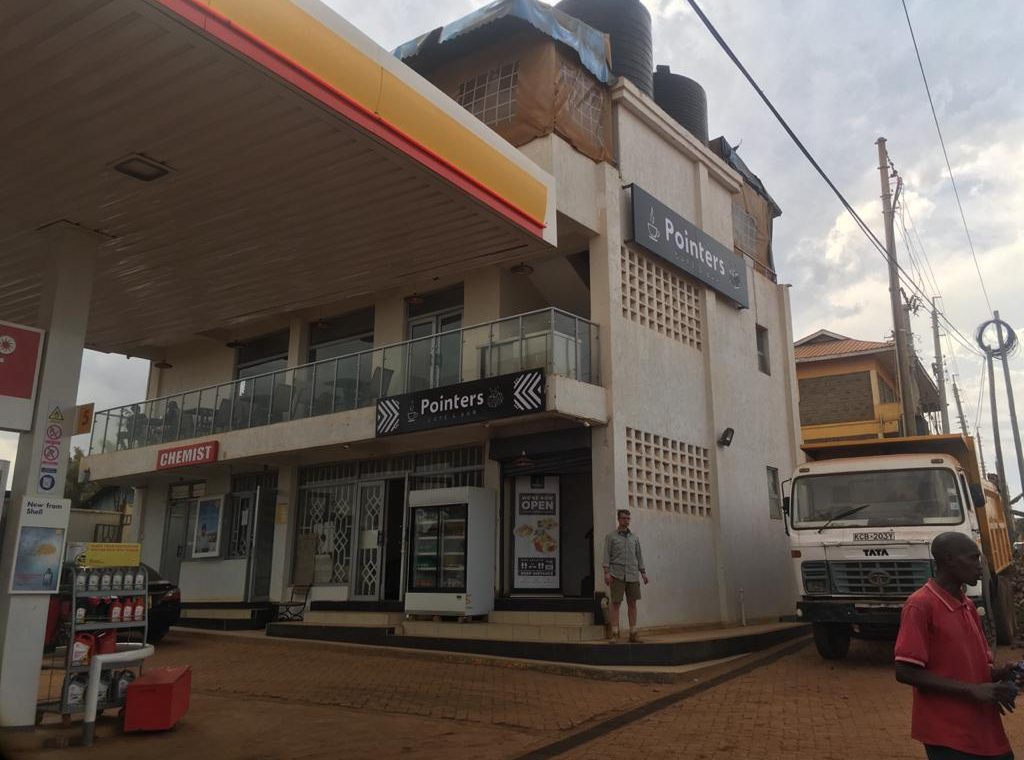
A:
[(164, 609), (164, 605)]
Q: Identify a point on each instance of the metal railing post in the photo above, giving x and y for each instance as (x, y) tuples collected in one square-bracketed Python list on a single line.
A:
[(576, 343), (355, 398), (522, 343)]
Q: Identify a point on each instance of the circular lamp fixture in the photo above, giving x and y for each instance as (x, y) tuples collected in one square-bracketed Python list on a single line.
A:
[(415, 299), (523, 270), (522, 461), (163, 364), (234, 343)]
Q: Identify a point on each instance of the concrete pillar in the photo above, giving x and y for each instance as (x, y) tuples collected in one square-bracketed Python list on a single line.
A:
[(285, 517), (298, 342), (68, 256), (609, 486)]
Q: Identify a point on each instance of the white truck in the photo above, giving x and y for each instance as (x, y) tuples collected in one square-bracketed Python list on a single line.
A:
[(861, 516)]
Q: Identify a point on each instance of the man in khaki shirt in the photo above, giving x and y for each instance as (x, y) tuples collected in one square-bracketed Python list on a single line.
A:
[(623, 562)]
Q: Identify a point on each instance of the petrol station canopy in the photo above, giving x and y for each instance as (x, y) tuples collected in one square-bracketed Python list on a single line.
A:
[(240, 160)]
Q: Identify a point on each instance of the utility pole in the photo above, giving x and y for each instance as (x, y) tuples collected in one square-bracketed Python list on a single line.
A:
[(940, 373), (959, 407), (1003, 354), (902, 353), (1004, 492), (981, 452), (910, 305)]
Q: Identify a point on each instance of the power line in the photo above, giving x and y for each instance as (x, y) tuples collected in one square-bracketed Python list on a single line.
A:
[(945, 155), (981, 393), (872, 238)]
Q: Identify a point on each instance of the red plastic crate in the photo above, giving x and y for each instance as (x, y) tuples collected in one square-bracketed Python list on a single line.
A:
[(157, 699)]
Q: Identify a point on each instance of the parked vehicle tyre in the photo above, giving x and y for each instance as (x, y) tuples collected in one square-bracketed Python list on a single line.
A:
[(154, 635), (1005, 611), (832, 640)]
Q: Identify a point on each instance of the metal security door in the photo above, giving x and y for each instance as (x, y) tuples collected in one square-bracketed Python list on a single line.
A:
[(175, 540), (367, 559)]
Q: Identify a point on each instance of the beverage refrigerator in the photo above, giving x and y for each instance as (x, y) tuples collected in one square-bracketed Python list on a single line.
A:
[(451, 552)]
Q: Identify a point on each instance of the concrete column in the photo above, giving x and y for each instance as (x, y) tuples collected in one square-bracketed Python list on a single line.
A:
[(298, 342), (285, 516), (482, 290), (68, 256), (608, 465)]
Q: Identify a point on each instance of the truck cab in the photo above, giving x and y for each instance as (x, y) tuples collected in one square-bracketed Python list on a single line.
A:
[(861, 518)]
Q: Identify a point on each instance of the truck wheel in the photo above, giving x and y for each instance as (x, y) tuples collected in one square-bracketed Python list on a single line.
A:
[(832, 640), (1005, 612)]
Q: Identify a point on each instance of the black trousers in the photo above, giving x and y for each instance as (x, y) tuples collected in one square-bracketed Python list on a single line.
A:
[(945, 753)]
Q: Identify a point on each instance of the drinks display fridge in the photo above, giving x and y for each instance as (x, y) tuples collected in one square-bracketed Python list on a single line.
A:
[(451, 552)]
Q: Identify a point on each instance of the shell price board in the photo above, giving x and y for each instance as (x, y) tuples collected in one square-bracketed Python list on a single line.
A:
[(21, 351), (105, 555)]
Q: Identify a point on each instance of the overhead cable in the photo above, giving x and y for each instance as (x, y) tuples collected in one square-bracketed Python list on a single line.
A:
[(904, 276), (945, 154)]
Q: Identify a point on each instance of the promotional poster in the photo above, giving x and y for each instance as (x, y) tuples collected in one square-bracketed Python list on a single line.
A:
[(537, 533)]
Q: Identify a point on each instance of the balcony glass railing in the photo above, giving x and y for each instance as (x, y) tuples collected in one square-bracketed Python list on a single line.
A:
[(549, 339)]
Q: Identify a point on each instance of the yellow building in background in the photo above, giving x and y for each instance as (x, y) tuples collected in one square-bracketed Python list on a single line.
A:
[(849, 389)]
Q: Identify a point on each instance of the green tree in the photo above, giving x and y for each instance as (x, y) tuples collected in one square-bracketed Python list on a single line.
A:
[(73, 490)]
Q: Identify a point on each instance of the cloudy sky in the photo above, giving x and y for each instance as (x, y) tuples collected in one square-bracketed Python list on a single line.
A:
[(842, 73)]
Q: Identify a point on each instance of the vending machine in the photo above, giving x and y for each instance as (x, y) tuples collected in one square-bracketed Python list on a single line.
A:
[(451, 552)]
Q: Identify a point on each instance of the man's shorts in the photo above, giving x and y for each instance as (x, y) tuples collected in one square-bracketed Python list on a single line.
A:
[(631, 589)]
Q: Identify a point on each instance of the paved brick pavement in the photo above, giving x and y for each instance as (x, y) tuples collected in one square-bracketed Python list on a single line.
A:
[(798, 707), (260, 698)]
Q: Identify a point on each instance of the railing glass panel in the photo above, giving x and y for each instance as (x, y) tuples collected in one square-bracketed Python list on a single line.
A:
[(555, 341)]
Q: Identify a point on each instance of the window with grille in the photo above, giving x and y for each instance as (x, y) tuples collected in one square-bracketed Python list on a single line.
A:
[(657, 298), (744, 230), (774, 494), (328, 495), (491, 95), (764, 361), (584, 100), (667, 475)]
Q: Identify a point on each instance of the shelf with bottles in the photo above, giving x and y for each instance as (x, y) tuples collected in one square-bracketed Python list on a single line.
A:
[(109, 581), (108, 626)]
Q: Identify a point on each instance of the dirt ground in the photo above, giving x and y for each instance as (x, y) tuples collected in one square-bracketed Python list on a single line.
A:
[(262, 698)]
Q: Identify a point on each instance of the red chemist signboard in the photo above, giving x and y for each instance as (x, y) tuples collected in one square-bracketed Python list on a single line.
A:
[(21, 350)]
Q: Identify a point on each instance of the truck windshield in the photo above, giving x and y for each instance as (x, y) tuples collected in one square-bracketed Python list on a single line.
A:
[(893, 497)]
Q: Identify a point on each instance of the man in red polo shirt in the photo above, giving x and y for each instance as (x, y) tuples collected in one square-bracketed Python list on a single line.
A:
[(942, 652)]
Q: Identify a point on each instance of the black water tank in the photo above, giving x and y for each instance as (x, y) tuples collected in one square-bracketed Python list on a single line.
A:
[(684, 100), (628, 24)]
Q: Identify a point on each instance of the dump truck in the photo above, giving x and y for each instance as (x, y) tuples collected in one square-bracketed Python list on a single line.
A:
[(861, 516)]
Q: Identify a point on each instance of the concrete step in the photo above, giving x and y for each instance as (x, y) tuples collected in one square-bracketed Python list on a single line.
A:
[(502, 631), (353, 619), (540, 618)]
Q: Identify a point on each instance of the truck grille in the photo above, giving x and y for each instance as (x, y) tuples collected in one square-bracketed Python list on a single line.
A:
[(872, 578)]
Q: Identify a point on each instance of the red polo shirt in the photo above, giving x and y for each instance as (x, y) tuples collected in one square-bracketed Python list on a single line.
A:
[(943, 634)]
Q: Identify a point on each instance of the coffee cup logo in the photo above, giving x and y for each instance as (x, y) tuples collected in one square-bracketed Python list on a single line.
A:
[(652, 229)]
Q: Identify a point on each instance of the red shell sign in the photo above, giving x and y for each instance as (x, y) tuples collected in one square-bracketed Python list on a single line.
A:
[(19, 358), (21, 350)]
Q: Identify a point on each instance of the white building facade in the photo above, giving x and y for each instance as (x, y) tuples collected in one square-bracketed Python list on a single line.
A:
[(281, 450)]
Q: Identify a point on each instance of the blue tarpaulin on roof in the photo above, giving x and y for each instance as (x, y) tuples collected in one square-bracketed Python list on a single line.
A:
[(588, 43)]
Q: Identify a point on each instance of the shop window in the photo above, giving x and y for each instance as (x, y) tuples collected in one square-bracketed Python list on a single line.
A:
[(763, 358), (328, 494), (659, 299), (491, 96), (886, 394), (774, 494), (268, 353), (343, 335), (667, 475)]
